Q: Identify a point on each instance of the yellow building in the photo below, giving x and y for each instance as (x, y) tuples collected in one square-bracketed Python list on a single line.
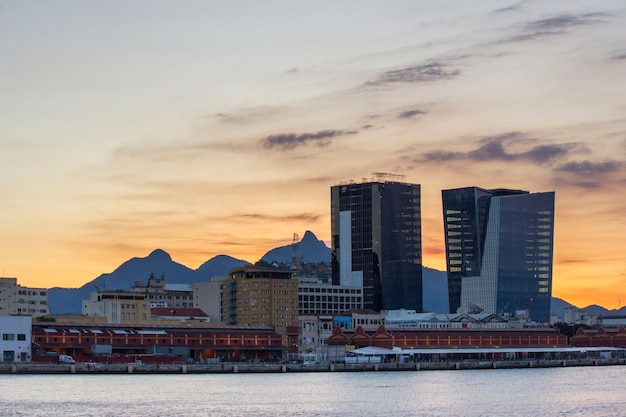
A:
[(260, 296)]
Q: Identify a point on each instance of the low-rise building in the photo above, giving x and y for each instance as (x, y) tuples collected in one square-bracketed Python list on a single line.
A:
[(15, 344), (118, 307), (413, 320), (184, 315), (157, 343), (318, 297), (161, 294)]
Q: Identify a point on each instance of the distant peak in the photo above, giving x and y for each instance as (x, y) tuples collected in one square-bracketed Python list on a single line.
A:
[(160, 254)]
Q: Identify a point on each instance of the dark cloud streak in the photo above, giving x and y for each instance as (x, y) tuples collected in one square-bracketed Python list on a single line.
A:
[(409, 114), (590, 168), (290, 141), (425, 73), (495, 149), (558, 25)]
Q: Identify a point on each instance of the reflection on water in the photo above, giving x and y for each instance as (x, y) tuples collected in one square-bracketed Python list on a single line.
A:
[(584, 391)]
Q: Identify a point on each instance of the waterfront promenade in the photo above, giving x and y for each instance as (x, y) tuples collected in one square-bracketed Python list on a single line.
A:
[(96, 368)]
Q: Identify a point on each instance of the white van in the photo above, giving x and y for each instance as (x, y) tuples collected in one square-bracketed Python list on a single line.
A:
[(66, 359)]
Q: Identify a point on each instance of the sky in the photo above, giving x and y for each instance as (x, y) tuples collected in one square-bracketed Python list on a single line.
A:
[(218, 127)]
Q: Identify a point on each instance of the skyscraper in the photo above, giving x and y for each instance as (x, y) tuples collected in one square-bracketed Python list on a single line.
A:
[(377, 241), (499, 249)]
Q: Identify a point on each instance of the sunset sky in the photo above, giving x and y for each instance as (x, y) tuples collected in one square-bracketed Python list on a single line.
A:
[(206, 127)]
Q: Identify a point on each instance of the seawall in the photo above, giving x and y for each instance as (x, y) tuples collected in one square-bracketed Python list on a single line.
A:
[(96, 368)]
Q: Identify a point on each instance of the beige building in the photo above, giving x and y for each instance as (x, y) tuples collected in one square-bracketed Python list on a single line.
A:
[(207, 296), (260, 296), (123, 307), (16, 299)]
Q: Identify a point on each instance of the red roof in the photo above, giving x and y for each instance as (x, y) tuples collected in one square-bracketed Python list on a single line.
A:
[(177, 312)]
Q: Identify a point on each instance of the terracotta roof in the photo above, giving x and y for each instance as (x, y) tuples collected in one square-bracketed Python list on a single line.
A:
[(177, 312)]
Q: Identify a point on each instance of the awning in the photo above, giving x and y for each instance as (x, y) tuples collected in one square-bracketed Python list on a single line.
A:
[(371, 350)]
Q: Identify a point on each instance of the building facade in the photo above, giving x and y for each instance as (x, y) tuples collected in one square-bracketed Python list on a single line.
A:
[(260, 296), (16, 299), (118, 307), (161, 294), (207, 296), (499, 249), (377, 243), (15, 344), (156, 343), (317, 297)]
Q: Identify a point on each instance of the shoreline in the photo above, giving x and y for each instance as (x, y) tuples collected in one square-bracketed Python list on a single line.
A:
[(234, 368)]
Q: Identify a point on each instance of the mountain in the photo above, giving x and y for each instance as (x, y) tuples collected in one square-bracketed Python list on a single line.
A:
[(218, 266), (309, 249), (558, 306), (435, 290), (159, 263), (596, 310)]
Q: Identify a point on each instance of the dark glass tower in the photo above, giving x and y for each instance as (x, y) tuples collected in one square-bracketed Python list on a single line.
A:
[(499, 249), (377, 242)]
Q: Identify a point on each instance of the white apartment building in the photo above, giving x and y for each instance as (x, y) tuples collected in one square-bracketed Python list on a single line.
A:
[(16, 299)]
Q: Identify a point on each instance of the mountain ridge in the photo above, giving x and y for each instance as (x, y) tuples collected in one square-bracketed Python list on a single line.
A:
[(309, 249)]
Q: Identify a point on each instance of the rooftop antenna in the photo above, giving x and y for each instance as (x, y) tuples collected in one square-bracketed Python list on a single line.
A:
[(296, 262), (387, 176)]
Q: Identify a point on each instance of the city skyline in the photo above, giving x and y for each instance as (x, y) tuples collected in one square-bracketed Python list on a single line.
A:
[(207, 128)]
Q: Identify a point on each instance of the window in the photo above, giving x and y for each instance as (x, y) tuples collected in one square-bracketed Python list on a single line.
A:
[(8, 336), (21, 336)]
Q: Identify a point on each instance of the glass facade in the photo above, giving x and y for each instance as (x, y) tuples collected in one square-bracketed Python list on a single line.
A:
[(376, 242), (499, 250)]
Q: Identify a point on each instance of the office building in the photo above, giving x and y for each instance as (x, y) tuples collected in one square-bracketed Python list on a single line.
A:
[(376, 241), (499, 246)]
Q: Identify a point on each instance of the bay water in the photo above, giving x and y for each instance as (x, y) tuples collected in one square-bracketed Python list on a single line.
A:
[(583, 391)]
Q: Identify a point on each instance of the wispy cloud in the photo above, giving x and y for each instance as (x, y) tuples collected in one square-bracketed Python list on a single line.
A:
[(409, 114), (307, 217), (590, 168), (425, 73), (557, 25), (249, 115), (618, 55), (497, 148), (512, 8), (290, 141)]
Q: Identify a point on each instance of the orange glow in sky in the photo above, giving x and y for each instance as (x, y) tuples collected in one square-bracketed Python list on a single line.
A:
[(206, 128)]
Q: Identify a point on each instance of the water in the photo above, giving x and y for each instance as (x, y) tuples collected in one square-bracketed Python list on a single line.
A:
[(572, 392)]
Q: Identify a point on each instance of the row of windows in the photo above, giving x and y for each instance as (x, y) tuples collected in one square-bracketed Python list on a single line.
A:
[(331, 290), (12, 336), (330, 298), (31, 310), (168, 297), (23, 301), (30, 292), (307, 308)]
